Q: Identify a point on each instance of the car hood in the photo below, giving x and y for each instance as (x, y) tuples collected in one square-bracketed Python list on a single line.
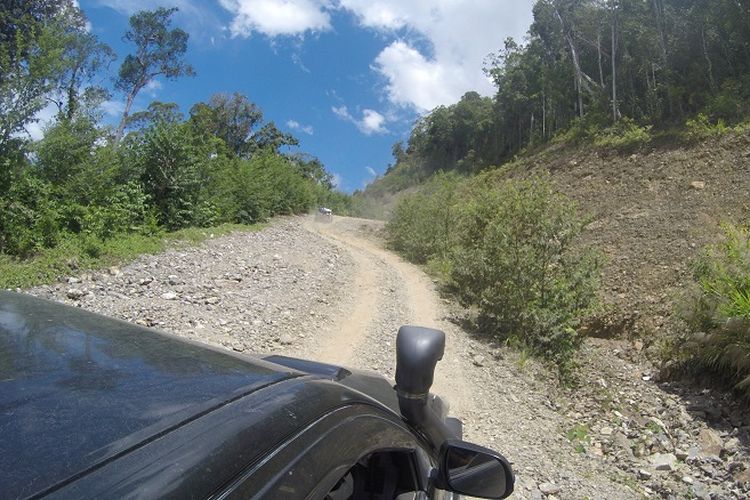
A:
[(77, 389)]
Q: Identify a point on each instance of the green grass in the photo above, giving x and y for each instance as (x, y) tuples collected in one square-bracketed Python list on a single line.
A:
[(579, 437), (654, 427), (79, 253)]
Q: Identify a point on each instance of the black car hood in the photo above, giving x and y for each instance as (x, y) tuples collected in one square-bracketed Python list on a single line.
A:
[(77, 390)]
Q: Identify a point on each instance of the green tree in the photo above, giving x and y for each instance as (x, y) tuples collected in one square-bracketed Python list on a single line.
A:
[(159, 52), (232, 119), (85, 57), (156, 113), (31, 60), (170, 174)]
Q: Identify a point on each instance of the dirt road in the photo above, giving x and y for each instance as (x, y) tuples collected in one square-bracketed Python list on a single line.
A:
[(357, 329)]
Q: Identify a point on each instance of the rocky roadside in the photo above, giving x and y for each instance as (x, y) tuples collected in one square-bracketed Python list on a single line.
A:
[(257, 292), (675, 439)]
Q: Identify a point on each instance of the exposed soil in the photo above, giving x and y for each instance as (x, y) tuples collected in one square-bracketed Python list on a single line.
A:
[(330, 291), (652, 211)]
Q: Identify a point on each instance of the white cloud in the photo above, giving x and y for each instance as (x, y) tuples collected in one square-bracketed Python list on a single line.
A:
[(371, 171), (336, 180), (277, 17), (295, 125), (461, 35), (415, 81), (153, 87), (35, 128), (371, 122), (113, 107), (193, 15)]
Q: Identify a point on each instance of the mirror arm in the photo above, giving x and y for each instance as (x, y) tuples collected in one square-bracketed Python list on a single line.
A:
[(418, 412)]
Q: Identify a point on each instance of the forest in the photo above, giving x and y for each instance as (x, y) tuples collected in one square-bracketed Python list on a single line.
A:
[(85, 183), (615, 72)]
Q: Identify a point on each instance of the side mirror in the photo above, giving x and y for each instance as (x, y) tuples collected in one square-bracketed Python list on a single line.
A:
[(475, 471)]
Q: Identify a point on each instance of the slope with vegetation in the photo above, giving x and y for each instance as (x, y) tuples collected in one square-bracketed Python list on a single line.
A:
[(617, 142), (84, 186)]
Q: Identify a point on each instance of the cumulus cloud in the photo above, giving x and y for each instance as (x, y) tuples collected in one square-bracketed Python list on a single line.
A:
[(35, 128), (460, 34), (153, 87), (370, 123), (193, 15), (113, 107), (277, 17), (415, 81), (459, 37), (295, 125)]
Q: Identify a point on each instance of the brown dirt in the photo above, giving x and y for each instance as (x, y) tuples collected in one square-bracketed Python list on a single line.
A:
[(649, 220)]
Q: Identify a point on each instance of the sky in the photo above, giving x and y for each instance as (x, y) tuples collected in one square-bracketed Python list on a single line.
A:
[(347, 77)]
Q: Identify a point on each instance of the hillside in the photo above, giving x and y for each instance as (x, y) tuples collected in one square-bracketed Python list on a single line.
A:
[(651, 212)]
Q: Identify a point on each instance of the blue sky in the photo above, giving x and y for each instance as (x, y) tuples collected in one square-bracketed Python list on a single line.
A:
[(347, 77)]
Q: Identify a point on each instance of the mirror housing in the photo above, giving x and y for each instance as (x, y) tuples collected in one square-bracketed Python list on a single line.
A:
[(473, 470), (418, 350)]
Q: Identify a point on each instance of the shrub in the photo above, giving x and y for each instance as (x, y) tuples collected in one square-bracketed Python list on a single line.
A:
[(422, 223), (29, 219), (122, 211), (513, 258), (700, 128), (717, 311), (170, 174), (624, 135)]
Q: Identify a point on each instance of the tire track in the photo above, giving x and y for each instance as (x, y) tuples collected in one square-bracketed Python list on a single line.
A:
[(422, 303)]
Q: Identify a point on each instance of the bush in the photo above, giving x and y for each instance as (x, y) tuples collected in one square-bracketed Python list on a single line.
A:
[(170, 174), (29, 219), (508, 251), (122, 211), (717, 311), (513, 258), (700, 128), (624, 135), (421, 225)]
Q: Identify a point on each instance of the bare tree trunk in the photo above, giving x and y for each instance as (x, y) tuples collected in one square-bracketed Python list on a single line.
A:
[(582, 80), (711, 80), (615, 111), (659, 13), (579, 102), (544, 116), (660, 22), (124, 120), (599, 52)]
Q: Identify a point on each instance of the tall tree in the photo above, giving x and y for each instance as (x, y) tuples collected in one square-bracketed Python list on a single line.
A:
[(31, 60), (157, 113), (85, 57), (159, 52), (233, 119)]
